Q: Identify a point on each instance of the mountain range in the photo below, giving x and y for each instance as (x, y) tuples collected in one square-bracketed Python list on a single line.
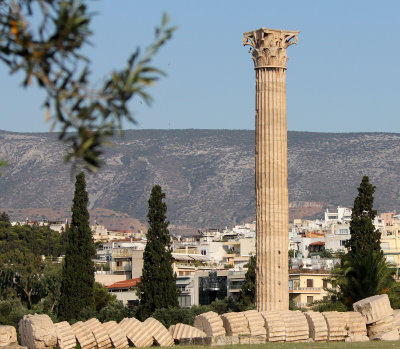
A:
[(207, 175)]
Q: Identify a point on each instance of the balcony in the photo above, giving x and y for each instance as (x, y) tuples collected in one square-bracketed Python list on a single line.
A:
[(236, 274), (122, 268), (305, 290), (235, 287), (122, 253), (303, 305), (185, 290)]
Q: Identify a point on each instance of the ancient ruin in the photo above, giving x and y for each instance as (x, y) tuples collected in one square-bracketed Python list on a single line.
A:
[(372, 319), (268, 49)]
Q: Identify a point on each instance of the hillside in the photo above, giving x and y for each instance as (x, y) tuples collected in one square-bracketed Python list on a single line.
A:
[(208, 175)]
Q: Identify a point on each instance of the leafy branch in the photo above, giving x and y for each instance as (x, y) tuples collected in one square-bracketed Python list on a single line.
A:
[(50, 54)]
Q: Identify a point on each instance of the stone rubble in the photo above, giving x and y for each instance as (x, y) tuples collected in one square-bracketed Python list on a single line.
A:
[(318, 328), (373, 319), (134, 331), (65, 335), (8, 336), (37, 331)]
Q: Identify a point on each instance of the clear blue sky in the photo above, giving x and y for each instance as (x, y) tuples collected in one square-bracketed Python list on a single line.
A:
[(343, 75)]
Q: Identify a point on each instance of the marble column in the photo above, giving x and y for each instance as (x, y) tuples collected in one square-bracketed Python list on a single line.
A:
[(268, 49)]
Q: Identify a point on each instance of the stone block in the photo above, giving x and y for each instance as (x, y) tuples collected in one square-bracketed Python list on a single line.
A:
[(255, 323), (357, 338), (251, 340), (388, 336), (135, 332), (65, 335), (296, 326), (182, 331), (235, 324), (379, 328), (396, 319), (224, 340), (37, 331), (100, 334), (336, 324), (355, 323), (83, 335), (374, 308), (160, 334), (318, 329), (210, 323), (8, 336), (116, 334), (274, 325)]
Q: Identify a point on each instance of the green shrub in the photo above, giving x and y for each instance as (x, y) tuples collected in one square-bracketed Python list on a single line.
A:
[(11, 311), (329, 306), (225, 305), (173, 315), (114, 310)]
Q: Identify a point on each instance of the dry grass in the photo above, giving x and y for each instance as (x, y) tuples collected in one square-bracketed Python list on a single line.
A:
[(321, 345)]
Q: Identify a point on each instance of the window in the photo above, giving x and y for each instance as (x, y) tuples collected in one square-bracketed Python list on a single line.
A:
[(390, 259), (184, 301), (310, 283), (310, 299), (324, 283), (343, 243), (385, 246), (343, 231), (204, 252), (132, 303), (119, 263)]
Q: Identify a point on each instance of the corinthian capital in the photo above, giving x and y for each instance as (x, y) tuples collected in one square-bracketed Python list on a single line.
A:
[(268, 46)]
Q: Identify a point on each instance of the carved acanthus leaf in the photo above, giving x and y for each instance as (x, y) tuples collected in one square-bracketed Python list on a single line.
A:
[(268, 46)]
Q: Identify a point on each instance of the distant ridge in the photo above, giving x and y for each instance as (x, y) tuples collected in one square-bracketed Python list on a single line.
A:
[(208, 175)]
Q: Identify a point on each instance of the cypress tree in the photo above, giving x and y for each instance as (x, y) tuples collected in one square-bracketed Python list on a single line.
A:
[(365, 239), (157, 288), (78, 270)]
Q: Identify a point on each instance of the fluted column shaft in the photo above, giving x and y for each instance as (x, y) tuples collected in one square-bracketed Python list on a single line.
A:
[(272, 212), (268, 50)]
